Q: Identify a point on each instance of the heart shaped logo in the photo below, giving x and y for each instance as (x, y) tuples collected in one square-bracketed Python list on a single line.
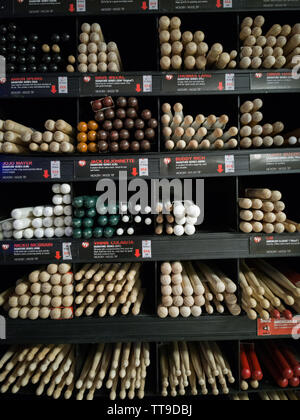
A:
[(167, 161), (169, 77), (87, 79), (258, 75), (5, 247), (82, 163), (257, 240), (85, 245)]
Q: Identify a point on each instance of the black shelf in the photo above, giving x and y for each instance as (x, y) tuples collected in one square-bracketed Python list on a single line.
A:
[(204, 246), (218, 164), (125, 329), (228, 82), (100, 7), (132, 329)]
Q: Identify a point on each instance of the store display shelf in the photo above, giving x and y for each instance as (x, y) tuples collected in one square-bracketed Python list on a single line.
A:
[(149, 83), (76, 168), (202, 245), (130, 329), (99, 7)]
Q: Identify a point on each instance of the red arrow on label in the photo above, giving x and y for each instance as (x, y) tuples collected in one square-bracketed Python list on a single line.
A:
[(220, 169), (58, 256), (46, 174), (53, 89), (72, 8), (144, 6), (219, 4), (138, 88), (134, 172), (221, 87), (137, 253)]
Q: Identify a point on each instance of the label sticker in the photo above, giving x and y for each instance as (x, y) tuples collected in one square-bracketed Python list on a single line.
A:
[(55, 169), (229, 164), (147, 84), (67, 251), (230, 81), (153, 4), (81, 5), (144, 167), (147, 249), (63, 85)]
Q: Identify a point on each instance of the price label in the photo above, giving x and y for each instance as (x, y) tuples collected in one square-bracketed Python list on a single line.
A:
[(147, 249), (81, 6), (67, 251), (55, 169), (63, 85), (230, 81), (229, 164), (144, 167), (147, 83)]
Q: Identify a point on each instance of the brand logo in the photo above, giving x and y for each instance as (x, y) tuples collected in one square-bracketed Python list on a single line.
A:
[(85, 245), (169, 77), (257, 240), (258, 75), (167, 161), (82, 163), (87, 79), (5, 247)]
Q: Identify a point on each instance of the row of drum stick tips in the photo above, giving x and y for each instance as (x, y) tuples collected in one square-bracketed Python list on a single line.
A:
[(270, 361), (262, 210), (58, 137), (274, 48), (188, 50), (192, 288), (182, 132), (120, 368), (269, 291), (187, 289), (51, 292)]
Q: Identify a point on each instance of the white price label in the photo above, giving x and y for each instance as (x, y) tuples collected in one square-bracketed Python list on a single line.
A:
[(67, 251), (230, 81), (229, 164), (153, 4), (81, 6), (147, 249), (227, 4), (147, 84), (63, 85), (55, 169), (144, 167)]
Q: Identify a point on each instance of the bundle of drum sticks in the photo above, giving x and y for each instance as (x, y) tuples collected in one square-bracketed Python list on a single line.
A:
[(188, 50), (275, 48), (187, 365)]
